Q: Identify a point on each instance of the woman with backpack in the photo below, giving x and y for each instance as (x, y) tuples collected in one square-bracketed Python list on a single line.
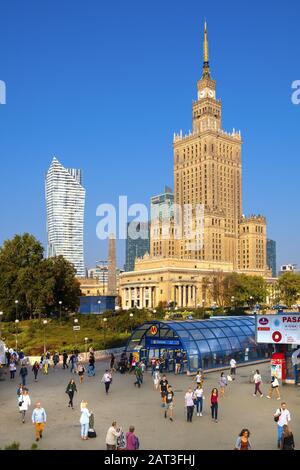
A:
[(132, 441), (274, 386)]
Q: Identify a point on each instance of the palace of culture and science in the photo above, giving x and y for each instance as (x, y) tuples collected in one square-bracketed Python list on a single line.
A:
[(207, 175)]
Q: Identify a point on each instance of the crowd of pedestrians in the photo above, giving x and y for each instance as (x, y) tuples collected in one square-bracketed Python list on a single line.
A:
[(116, 438)]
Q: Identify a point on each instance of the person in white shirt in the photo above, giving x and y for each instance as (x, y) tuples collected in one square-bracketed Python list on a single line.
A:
[(198, 393), (12, 369), (282, 417), (257, 381), (189, 403), (199, 377), (111, 437), (232, 368), (24, 403), (106, 379)]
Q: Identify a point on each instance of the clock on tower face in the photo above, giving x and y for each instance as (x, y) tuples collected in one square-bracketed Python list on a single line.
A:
[(211, 94), (202, 94)]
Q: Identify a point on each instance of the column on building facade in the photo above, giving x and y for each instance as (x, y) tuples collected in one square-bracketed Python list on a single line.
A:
[(129, 297), (179, 296), (190, 295), (150, 296)]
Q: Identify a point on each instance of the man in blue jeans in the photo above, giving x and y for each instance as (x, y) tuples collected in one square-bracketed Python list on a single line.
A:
[(282, 417)]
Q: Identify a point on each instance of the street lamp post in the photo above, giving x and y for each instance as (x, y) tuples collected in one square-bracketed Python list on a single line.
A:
[(75, 331), (104, 331), (60, 304), (17, 331), (99, 305), (131, 317), (16, 303), (45, 323), (86, 341), (232, 302)]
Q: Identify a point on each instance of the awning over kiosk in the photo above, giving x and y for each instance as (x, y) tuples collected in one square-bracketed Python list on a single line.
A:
[(206, 343)]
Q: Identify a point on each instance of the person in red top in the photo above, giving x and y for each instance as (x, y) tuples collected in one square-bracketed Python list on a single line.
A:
[(214, 404)]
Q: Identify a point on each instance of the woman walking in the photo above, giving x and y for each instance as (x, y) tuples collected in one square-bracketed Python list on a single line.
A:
[(243, 442), (199, 377), (198, 392), (12, 369), (274, 386), (81, 371), (214, 404), (35, 370), (156, 379), (107, 380), (222, 383), (84, 420), (132, 441), (70, 390), (189, 403), (112, 362), (24, 403), (257, 383), (287, 440)]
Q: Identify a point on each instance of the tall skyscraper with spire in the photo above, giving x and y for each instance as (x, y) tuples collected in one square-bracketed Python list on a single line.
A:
[(65, 202), (215, 236)]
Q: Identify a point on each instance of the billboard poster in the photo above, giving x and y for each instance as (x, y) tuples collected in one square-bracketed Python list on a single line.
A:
[(278, 329)]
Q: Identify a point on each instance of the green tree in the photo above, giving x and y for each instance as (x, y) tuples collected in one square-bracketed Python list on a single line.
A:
[(289, 287), (19, 259), (37, 283)]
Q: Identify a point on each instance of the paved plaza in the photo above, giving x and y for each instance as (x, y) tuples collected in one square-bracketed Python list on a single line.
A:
[(141, 407)]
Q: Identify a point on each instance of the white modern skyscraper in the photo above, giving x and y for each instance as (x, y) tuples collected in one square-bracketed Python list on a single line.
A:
[(65, 201)]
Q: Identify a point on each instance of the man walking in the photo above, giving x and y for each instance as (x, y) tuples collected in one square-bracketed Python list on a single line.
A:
[(65, 360), (282, 417), (138, 375), (169, 403), (232, 368), (23, 374), (39, 419)]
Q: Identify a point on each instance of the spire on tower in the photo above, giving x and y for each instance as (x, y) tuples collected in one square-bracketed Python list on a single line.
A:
[(206, 70)]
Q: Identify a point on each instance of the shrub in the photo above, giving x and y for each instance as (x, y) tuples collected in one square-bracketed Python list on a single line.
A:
[(14, 446)]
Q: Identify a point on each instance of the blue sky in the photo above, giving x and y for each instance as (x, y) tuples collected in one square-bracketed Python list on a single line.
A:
[(103, 86)]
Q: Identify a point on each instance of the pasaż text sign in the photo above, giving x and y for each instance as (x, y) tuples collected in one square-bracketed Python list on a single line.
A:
[(278, 329)]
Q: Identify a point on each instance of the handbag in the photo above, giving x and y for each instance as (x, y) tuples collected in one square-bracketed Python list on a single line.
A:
[(276, 418)]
